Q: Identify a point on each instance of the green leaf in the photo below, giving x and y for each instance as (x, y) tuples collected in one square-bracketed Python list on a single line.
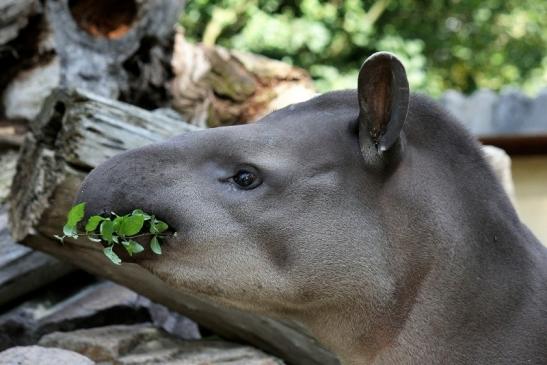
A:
[(93, 223), (107, 228), (140, 212), (118, 223), (155, 245), (76, 214), (161, 226), (135, 246), (125, 245), (70, 231), (109, 252), (157, 226), (131, 225), (132, 247)]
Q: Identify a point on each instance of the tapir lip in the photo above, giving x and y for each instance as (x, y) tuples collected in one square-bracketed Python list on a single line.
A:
[(105, 202)]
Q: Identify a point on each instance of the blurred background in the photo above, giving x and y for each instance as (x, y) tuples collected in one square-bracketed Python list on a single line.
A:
[(454, 44)]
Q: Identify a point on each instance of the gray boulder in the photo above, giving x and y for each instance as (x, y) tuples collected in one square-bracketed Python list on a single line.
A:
[(37, 355), (145, 344), (94, 305)]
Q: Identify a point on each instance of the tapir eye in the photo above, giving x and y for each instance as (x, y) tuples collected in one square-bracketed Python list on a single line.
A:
[(246, 179)]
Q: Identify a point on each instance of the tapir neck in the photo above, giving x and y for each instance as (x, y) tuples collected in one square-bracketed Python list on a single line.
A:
[(478, 306), (482, 302)]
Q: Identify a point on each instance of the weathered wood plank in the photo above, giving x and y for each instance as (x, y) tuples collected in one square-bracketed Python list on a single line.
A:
[(75, 132), (23, 270)]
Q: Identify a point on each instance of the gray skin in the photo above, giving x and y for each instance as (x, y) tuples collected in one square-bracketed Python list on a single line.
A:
[(374, 221)]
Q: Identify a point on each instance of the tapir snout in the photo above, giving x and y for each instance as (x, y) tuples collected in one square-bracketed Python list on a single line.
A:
[(368, 216)]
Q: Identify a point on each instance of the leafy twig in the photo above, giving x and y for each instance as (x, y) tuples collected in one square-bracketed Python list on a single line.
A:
[(114, 229)]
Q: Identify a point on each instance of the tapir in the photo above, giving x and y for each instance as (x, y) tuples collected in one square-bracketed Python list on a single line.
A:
[(368, 216)]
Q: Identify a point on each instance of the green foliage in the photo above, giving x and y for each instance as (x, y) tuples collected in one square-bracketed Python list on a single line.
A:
[(155, 246), (444, 44), (74, 216), (115, 230)]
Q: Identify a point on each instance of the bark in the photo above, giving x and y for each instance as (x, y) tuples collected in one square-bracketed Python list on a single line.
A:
[(118, 49), (11, 136), (214, 86), (14, 15), (76, 131)]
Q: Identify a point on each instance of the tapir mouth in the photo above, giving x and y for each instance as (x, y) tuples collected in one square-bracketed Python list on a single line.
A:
[(167, 239), (108, 189)]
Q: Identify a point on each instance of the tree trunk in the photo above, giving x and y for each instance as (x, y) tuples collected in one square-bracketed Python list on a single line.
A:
[(118, 49), (74, 133)]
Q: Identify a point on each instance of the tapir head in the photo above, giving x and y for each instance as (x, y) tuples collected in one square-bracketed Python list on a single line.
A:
[(317, 208)]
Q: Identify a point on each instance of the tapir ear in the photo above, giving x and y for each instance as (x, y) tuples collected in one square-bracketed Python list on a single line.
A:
[(383, 100)]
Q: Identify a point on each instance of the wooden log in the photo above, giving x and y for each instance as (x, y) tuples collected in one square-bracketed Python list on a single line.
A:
[(23, 270), (214, 86), (14, 16), (74, 132), (119, 49), (8, 160)]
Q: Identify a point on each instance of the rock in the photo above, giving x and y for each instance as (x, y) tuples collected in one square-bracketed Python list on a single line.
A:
[(37, 355), (98, 305), (144, 344), (95, 305), (173, 323), (19, 325), (107, 303)]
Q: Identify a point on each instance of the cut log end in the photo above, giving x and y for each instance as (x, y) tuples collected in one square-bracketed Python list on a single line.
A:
[(74, 132)]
